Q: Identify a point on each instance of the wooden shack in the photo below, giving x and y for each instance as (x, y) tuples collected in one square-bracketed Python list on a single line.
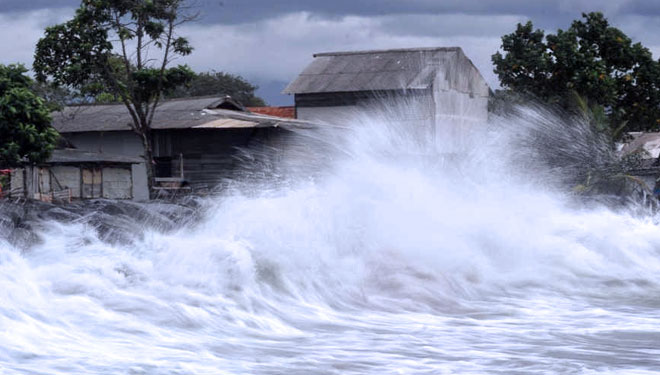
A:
[(72, 174), (196, 141)]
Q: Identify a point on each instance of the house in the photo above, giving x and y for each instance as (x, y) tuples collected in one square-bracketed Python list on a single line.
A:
[(646, 146), (73, 174), (439, 87), (195, 140)]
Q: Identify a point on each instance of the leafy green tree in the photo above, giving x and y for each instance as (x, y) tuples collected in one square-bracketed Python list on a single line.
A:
[(25, 131), (220, 84), (591, 58), (122, 49)]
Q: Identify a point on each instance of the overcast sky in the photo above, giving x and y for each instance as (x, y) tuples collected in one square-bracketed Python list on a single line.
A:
[(270, 41)]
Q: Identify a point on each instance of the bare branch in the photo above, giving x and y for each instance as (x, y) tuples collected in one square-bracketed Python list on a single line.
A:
[(127, 63), (168, 44)]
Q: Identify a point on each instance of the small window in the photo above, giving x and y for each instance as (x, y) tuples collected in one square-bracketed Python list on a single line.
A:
[(163, 166)]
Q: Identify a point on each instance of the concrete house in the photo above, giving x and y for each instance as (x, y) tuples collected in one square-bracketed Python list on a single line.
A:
[(440, 87), (195, 140)]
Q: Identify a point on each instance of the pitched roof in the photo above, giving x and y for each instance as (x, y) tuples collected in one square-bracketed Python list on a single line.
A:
[(73, 156), (171, 114), (394, 69), (287, 112)]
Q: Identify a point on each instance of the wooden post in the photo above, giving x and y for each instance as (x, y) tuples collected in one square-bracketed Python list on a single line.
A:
[(181, 164)]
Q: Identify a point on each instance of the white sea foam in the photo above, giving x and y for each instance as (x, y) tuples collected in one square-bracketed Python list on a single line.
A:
[(397, 258)]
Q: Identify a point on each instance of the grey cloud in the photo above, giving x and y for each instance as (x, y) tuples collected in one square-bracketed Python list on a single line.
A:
[(266, 51), (20, 34), (9, 6), (270, 41), (449, 25), (546, 12)]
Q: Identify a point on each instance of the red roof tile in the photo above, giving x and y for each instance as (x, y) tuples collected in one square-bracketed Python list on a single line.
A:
[(286, 112)]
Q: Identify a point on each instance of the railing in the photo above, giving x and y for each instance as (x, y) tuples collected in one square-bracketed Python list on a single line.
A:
[(168, 187), (170, 183)]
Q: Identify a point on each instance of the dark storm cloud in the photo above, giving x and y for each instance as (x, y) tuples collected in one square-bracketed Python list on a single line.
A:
[(648, 8), (270, 41), (7, 6), (549, 12)]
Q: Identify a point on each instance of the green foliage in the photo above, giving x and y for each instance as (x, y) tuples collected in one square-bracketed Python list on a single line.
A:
[(5, 182), (134, 70), (596, 115), (79, 53), (593, 59), (220, 84), (149, 81), (25, 131)]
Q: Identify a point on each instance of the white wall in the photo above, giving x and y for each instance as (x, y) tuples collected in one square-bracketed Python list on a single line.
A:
[(116, 183), (140, 183), (414, 113), (456, 115), (415, 109)]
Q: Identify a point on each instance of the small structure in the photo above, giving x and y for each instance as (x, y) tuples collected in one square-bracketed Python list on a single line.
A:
[(73, 174), (195, 140), (647, 145), (439, 87)]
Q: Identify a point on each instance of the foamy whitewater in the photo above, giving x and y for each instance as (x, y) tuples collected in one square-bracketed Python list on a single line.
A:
[(395, 256)]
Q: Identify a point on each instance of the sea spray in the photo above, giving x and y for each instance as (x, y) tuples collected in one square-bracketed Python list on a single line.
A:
[(373, 253)]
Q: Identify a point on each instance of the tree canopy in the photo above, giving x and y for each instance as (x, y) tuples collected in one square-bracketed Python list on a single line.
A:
[(220, 83), (25, 131), (592, 59), (121, 48)]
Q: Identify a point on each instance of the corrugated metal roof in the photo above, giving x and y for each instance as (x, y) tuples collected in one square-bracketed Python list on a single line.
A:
[(111, 117), (259, 120), (172, 114), (287, 111), (69, 155), (227, 123), (396, 69)]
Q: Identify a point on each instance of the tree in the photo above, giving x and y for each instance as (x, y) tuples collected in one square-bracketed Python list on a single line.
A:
[(55, 97), (80, 54), (220, 83), (592, 59), (25, 131)]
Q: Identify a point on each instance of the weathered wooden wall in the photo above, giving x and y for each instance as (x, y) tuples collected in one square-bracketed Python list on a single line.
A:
[(124, 143), (210, 156), (67, 177), (84, 181)]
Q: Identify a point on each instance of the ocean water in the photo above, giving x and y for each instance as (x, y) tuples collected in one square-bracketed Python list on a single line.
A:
[(394, 257)]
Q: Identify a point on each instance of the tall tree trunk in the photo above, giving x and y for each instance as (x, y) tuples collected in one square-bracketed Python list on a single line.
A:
[(149, 158)]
